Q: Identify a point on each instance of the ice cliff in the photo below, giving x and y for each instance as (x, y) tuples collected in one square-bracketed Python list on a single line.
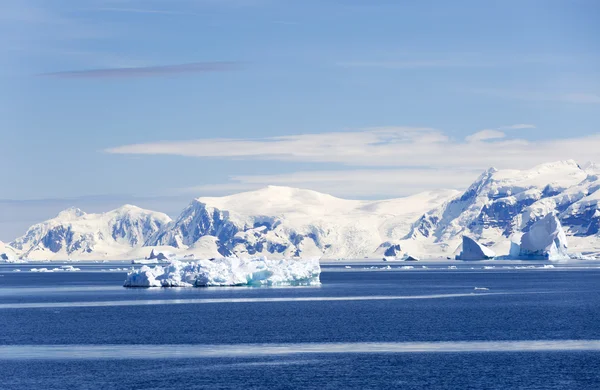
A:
[(227, 272), (545, 240), (472, 250)]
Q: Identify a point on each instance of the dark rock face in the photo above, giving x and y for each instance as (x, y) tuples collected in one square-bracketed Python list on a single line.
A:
[(392, 251), (55, 238), (195, 222), (500, 214), (585, 221)]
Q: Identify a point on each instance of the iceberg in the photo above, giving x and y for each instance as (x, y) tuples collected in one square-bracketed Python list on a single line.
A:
[(408, 257), (545, 240), (228, 271), (160, 255), (472, 250)]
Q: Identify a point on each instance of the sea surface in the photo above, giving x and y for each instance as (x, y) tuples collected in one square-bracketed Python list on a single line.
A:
[(460, 326)]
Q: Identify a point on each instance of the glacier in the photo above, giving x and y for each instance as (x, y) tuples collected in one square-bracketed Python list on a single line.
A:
[(472, 250), (289, 223), (545, 240), (229, 271)]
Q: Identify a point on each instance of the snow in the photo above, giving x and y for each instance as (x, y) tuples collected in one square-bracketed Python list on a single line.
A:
[(227, 272), (89, 236), (64, 268), (545, 240), (8, 254), (287, 223), (472, 250)]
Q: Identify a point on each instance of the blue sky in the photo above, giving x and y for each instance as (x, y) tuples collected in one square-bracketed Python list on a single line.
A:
[(155, 102)]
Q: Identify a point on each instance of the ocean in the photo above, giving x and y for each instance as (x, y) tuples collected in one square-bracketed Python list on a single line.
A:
[(365, 327)]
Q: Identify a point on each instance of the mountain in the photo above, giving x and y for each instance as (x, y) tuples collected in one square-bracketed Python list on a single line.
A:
[(7, 253), (73, 233), (285, 221), (497, 209), (501, 205)]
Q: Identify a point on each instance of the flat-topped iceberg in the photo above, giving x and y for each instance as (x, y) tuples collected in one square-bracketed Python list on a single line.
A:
[(227, 272), (472, 250), (545, 240)]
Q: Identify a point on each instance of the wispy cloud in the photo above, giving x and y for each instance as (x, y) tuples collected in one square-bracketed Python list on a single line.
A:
[(568, 97), (146, 71), (384, 147), (520, 126), (485, 135), (412, 64), (142, 11), (351, 183), (582, 98)]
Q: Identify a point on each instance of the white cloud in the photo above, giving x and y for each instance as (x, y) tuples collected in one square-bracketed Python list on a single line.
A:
[(570, 97), (485, 135), (383, 147), (588, 98), (517, 127), (351, 183)]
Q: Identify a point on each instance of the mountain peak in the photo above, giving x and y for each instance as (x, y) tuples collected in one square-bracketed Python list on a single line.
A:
[(127, 208), (70, 213)]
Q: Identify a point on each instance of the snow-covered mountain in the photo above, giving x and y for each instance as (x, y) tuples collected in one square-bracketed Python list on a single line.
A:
[(285, 221), (7, 253), (499, 207), (73, 233)]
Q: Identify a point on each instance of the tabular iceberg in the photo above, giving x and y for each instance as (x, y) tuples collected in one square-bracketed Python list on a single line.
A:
[(227, 272), (545, 240), (472, 250)]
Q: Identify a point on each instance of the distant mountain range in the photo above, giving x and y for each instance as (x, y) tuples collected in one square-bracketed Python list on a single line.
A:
[(286, 222)]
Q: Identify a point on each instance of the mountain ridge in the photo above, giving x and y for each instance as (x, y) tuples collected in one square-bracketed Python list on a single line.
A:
[(497, 208)]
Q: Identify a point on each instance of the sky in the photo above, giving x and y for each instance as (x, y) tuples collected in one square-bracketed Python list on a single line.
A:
[(156, 102)]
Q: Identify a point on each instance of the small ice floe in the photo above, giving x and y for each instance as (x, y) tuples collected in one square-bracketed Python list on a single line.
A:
[(407, 267), (488, 267), (347, 266), (144, 261), (452, 267), (67, 268), (547, 266), (40, 270), (424, 267), (481, 289), (16, 270), (388, 267)]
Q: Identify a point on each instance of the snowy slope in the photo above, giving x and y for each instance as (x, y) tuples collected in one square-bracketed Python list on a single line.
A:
[(294, 222), (499, 207), (8, 253), (73, 233), (503, 204)]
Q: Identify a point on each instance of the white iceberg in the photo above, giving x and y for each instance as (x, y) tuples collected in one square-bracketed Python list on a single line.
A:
[(545, 240), (408, 257), (40, 270), (472, 250), (67, 268), (227, 272)]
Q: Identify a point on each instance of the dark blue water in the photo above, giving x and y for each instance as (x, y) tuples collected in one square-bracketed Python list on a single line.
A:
[(360, 329)]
